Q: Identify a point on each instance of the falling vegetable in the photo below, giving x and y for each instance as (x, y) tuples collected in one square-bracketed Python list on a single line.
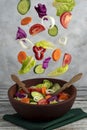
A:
[(23, 6), (56, 54), (22, 56), (23, 41), (41, 10), (52, 20), (63, 6), (53, 31), (39, 52), (45, 44), (36, 28), (27, 65), (20, 33), (62, 40), (59, 71), (46, 62), (66, 59), (65, 19), (26, 20), (38, 69)]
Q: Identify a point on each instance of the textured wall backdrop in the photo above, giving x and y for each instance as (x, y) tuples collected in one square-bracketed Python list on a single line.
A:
[(9, 47)]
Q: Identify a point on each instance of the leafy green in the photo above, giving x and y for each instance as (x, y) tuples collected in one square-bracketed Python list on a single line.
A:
[(63, 6), (59, 71), (27, 65), (45, 83), (45, 44)]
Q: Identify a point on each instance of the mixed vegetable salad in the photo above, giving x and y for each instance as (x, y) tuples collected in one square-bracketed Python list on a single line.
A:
[(41, 94), (63, 11)]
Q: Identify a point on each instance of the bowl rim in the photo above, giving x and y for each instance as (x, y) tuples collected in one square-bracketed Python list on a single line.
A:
[(42, 105)]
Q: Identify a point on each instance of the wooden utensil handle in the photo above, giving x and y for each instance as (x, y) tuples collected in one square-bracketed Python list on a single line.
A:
[(20, 84)]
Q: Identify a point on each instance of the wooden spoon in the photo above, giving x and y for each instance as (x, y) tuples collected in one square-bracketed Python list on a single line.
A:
[(68, 84), (19, 83)]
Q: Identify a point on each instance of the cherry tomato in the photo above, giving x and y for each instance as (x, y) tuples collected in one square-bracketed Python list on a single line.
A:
[(66, 59), (36, 28), (65, 19), (42, 101)]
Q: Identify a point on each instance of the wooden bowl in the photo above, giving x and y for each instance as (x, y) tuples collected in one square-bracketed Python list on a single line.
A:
[(42, 112)]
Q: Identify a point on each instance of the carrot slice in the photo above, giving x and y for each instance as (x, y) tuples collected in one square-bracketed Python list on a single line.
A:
[(48, 96), (43, 90), (56, 54), (25, 100), (21, 56), (26, 20)]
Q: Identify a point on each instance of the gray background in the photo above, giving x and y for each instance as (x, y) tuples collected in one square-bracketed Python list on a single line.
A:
[(9, 47)]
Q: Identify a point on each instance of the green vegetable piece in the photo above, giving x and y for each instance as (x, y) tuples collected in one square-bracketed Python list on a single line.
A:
[(33, 103), (56, 87), (36, 96), (48, 84), (59, 71), (45, 83), (53, 102), (27, 65), (45, 44), (53, 31), (39, 85), (63, 6), (38, 69), (23, 6)]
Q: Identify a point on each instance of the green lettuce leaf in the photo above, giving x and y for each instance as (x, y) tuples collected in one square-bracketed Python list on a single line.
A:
[(27, 65), (45, 44), (59, 71), (63, 6)]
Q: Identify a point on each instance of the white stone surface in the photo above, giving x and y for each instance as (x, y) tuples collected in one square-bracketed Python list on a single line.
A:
[(9, 47)]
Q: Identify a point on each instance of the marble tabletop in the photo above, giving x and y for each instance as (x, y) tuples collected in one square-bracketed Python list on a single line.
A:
[(9, 48)]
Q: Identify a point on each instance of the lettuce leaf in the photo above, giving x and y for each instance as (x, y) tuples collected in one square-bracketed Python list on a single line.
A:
[(63, 6), (45, 44), (27, 65), (59, 71)]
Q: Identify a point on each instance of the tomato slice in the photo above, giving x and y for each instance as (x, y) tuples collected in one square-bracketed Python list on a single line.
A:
[(66, 59), (65, 19), (36, 28), (42, 102)]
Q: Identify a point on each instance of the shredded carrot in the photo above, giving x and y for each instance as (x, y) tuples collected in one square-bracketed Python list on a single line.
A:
[(26, 20), (48, 96), (56, 54), (21, 56), (25, 100), (43, 90)]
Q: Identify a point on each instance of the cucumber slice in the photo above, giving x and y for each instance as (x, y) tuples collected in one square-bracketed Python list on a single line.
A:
[(38, 69), (23, 6), (36, 96), (53, 31), (56, 87)]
